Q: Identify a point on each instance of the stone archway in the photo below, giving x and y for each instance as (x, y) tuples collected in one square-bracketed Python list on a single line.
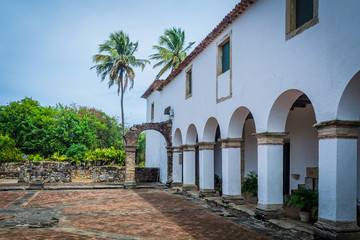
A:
[(165, 128)]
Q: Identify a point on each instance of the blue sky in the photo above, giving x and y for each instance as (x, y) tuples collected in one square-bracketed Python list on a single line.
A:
[(46, 46)]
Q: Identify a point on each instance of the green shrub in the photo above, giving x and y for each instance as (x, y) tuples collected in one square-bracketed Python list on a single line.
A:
[(106, 156), (250, 184), (8, 151), (35, 158), (218, 183), (77, 151), (305, 199)]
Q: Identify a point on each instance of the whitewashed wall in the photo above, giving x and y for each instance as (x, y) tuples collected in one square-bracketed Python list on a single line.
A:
[(319, 62), (303, 143), (250, 147)]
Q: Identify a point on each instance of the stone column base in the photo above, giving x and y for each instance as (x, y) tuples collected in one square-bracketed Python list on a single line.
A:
[(236, 199), (326, 229), (176, 184), (269, 211), (207, 193), (189, 187), (130, 184)]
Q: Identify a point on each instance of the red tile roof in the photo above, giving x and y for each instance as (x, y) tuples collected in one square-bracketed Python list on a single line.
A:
[(154, 85), (240, 8)]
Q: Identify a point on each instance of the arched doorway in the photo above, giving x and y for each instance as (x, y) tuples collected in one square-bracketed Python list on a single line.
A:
[(349, 113), (189, 159), (283, 157), (177, 159), (165, 129), (210, 158), (239, 152)]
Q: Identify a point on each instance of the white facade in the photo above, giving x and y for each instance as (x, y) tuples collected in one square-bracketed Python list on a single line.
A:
[(269, 73)]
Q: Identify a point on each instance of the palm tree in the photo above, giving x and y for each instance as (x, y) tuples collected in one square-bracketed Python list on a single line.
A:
[(118, 63), (171, 50)]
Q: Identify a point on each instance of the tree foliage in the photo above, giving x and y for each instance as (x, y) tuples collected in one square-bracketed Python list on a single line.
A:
[(116, 60), (46, 130), (140, 150), (171, 50)]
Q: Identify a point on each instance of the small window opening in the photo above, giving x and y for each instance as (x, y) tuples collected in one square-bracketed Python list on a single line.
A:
[(152, 111)]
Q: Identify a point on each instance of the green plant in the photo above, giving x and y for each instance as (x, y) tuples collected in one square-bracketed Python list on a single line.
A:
[(35, 158), (8, 151), (250, 184), (76, 151), (218, 183), (171, 50), (305, 199)]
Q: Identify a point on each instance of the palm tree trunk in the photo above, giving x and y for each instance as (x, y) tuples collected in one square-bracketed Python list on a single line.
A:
[(122, 107)]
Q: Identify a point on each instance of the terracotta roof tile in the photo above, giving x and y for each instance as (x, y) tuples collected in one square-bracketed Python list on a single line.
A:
[(240, 8), (154, 85)]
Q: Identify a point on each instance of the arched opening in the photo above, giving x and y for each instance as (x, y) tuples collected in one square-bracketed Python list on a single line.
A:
[(300, 147), (156, 154), (177, 158), (190, 159), (242, 126), (293, 113), (159, 134), (211, 162), (217, 160), (349, 109)]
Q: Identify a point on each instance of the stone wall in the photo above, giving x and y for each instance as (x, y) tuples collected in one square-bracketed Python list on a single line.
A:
[(10, 170), (146, 174), (66, 172), (109, 174), (47, 171)]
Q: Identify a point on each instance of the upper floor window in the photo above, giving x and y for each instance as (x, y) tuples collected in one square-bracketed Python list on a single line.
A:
[(152, 112), (225, 57), (223, 68), (188, 88), (300, 15)]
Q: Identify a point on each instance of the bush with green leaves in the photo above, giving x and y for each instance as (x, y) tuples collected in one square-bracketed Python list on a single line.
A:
[(8, 150), (76, 151), (106, 156), (250, 184), (46, 130), (305, 199)]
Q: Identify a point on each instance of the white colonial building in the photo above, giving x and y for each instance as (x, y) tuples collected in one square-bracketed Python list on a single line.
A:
[(274, 88)]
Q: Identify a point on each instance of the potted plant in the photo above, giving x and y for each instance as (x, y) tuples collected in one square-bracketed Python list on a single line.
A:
[(250, 186), (306, 200), (218, 184)]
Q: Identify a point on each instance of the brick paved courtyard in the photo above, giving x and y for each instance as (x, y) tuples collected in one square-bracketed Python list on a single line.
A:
[(119, 214)]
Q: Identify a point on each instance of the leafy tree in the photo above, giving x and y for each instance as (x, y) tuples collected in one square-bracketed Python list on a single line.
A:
[(171, 50), (140, 149), (78, 150), (46, 130), (8, 151), (26, 122), (117, 63)]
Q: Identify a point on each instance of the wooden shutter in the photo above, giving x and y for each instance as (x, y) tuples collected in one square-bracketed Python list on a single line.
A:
[(225, 57), (190, 82), (304, 11)]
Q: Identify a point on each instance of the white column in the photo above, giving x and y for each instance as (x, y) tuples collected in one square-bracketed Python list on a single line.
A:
[(231, 169), (189, 167), (270, 175), (206, 168), (177, 167), (337, 180)]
